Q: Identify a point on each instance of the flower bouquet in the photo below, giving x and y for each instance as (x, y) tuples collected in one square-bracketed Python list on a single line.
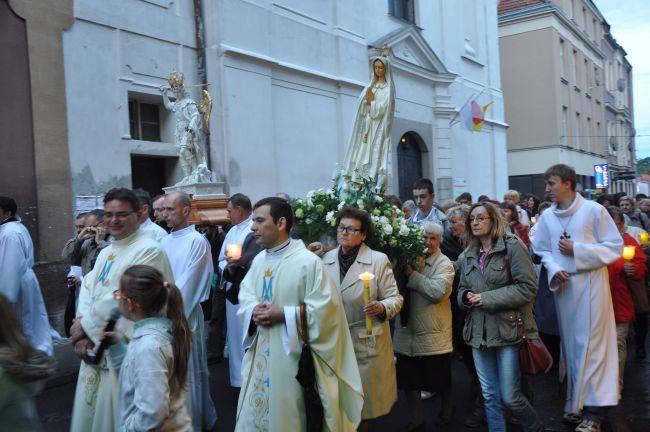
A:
[(315, 217)]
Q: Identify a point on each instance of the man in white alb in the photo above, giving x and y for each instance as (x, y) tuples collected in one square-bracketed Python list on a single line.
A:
[(146, 225), (94, 408), (576, 239), (191, 260), (19, 283), (239, 210)]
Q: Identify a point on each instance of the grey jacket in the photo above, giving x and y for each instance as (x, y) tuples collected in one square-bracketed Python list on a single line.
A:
[(495, 323)]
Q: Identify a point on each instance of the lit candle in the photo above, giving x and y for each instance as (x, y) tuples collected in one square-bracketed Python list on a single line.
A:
[(233, 251), (366, 278), (533, 220), (643, 236), (628, 252)]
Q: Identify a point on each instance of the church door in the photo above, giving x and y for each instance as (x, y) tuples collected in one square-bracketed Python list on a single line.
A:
[(409, 163)]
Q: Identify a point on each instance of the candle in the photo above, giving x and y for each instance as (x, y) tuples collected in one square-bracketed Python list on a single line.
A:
[(533, 220), (366, 278), (233, 251), (643, 236), (628, 252)]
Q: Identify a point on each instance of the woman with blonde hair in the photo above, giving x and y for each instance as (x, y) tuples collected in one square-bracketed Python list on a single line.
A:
[(497, 287)]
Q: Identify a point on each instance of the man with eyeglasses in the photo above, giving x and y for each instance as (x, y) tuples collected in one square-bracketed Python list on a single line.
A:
[(93, 408)]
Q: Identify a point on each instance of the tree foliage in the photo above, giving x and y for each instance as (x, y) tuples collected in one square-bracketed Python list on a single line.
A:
[(643, 166)]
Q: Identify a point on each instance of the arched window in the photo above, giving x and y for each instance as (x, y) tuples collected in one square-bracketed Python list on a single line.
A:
[(409, 163)]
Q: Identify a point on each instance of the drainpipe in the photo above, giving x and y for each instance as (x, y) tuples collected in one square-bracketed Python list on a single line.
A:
[(199, 33)]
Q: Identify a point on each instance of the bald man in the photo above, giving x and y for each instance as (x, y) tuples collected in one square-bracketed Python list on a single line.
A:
[(191, 260)]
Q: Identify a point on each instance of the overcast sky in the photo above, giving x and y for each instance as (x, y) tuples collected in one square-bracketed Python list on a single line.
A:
[(630, 26)]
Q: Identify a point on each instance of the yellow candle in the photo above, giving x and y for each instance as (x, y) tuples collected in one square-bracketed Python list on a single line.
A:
[(233, 251), (366, 277), (628, 252), (643, 236)]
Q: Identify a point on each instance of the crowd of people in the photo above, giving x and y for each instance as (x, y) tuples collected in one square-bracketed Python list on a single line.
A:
[(351, 325)]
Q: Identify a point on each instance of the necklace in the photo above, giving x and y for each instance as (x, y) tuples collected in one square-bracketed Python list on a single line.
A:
[(565, 235)]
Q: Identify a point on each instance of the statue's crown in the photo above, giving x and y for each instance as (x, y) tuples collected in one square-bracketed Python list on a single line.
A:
[(175, 79)]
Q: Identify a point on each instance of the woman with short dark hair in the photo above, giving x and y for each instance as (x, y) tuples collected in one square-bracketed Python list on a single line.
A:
[(374, 352)]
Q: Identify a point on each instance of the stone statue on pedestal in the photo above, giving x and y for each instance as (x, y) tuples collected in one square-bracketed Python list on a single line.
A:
[(192, 121), (368, 152)]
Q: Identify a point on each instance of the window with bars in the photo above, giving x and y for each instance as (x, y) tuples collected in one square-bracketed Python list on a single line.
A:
[(144, 121), (402, 9)]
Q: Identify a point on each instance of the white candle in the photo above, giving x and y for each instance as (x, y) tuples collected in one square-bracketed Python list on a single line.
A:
[(233, 251)]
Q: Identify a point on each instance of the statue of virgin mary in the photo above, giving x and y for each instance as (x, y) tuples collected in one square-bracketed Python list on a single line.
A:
[(369, 146)]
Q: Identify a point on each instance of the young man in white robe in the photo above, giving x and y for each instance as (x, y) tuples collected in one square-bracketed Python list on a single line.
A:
[(239, 210), (19, 283), (576, 239), (191, 260), (281, 278), (94, 402)]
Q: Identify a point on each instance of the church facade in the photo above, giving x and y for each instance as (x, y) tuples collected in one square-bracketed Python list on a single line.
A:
[(284, 76)]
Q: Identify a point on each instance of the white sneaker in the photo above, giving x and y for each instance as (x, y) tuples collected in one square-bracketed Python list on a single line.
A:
[(425, 395), (588, 426)]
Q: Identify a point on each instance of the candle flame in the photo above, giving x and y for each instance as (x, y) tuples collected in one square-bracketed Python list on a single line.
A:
[(628, 252), (366, 276)]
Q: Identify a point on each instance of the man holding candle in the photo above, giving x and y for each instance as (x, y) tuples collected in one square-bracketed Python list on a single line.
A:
[(239, 210), (624, 272), (576, 240), (281, 278), (191, 259)]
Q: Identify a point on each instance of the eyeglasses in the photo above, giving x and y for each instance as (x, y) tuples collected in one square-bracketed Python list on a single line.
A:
[(119, 296), (478, 219), (118, 215), (348, 229)]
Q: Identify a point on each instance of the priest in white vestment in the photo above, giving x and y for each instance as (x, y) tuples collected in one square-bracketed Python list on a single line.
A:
[(19, 283), (576, 239), (239, 210), (94, 408), (154, 230), (281, 278), (191, 260)]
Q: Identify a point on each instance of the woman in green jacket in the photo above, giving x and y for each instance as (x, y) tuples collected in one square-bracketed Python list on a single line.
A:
[(497, 285)]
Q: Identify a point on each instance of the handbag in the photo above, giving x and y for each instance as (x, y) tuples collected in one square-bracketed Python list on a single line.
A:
[(306, 376), (534, 358)]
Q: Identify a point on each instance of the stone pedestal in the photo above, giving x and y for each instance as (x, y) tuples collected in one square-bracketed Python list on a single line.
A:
[(208, 202), (203, 190)]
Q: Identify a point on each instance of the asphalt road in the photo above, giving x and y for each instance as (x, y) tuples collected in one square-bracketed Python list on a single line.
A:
[(632, 415)]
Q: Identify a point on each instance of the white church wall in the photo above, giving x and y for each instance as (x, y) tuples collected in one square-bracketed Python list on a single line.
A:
[(111, 52)]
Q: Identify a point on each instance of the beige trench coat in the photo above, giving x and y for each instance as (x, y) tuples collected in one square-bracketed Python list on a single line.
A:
[(376, 364)]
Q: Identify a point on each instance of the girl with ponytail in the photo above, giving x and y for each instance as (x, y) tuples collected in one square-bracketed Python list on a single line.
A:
[(153, 366)]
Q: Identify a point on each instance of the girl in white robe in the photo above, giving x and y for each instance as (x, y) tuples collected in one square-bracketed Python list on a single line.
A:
[(153, 369)]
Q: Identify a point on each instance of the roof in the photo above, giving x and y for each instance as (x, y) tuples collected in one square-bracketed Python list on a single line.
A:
[(506, 6)]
